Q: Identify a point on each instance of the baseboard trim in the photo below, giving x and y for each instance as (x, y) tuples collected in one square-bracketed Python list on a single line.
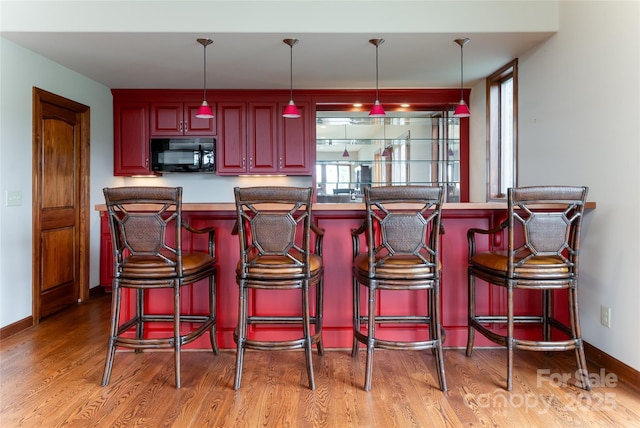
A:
[(98, 291), (16, 327), (626, 374)]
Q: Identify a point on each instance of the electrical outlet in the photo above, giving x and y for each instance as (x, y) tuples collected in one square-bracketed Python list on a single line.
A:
[(605, 316)]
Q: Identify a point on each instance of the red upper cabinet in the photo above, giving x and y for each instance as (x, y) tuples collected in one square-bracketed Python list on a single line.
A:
[(247, 139), (262, 125), (254, 138), (178, 118), (296, 142), (231, 149), (131, 138)]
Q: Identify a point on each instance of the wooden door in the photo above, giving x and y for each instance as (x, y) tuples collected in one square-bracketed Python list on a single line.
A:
[(60, 203)]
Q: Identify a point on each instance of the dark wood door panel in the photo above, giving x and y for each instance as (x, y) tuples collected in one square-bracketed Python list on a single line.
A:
[(60, 167)]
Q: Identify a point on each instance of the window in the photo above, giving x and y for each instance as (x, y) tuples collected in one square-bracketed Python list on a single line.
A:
[(334, 178), (502, 130)]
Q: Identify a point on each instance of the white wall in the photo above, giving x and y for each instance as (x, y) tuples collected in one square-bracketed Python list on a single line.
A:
[(21, 71), (579, 124)]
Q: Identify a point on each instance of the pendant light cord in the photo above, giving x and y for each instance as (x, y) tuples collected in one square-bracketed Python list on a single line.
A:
[(205, 73), (461, 71), (377, 72), (291, 72)]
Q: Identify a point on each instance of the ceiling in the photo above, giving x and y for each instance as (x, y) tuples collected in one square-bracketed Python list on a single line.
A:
[(261, 60)]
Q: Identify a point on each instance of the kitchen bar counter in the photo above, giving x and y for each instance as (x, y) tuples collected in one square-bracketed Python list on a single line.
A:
[(230, 206), (338, 220)]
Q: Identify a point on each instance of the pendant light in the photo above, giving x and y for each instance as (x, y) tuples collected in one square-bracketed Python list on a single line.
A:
[(345, 154), (291, 111), (462, 110), (205, 112), (377, 110)]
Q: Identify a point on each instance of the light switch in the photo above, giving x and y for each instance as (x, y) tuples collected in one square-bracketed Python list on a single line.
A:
[(14, 198)]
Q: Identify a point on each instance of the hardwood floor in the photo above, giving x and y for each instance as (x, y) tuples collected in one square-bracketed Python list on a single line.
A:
[(50, 376)]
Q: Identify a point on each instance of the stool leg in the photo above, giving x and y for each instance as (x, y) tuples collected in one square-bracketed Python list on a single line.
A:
[(583, 370), (472, 312), (509, 336), (435, 321), (546, 315), (242, 333), (371, 331), (356, 315), (113, 332), (213, 314), (139, 316), (319, 306), (306, 326), (176, 330)]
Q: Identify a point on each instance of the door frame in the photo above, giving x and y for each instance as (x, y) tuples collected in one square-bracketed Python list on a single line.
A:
[(82, 172)]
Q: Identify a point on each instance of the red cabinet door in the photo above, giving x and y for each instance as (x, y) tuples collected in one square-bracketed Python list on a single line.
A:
[(231, 145), (166, 119), (177, 119), (196, 126), (131, 139), (296, 142), (262, 137)]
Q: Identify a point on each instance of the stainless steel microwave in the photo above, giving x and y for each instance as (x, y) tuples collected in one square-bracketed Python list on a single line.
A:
[(183, 154)]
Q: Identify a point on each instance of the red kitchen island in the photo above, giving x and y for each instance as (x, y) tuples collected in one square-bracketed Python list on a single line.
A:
[(337, 220)]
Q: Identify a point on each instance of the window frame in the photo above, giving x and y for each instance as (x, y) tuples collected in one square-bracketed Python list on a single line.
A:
[(494, 130)]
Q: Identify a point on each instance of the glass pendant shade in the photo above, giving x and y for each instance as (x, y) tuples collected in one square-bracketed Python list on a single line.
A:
[(291, 111), (462, 110), (205, 112), (345, 154), (377, 110)]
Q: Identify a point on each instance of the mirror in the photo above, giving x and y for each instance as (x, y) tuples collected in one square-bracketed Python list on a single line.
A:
[(404, 148)]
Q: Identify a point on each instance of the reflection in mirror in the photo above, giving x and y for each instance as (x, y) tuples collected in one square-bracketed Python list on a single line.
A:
[(403, 148)]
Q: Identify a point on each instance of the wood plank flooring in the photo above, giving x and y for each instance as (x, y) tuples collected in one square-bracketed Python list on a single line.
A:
[(50, 377)]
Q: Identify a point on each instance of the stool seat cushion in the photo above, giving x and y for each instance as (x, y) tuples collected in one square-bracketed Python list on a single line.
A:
[(497, 261), (394, 266), (278, 266), (153, 267)]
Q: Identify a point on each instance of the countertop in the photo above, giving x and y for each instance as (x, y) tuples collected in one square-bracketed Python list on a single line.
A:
[(230, 206)]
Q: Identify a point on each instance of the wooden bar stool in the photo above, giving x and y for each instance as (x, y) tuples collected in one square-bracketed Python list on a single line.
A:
[(402, 231), (542, 247), (274, 227), (145, 259)]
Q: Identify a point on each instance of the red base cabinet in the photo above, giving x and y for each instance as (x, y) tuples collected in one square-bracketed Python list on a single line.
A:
[(337, 279)]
